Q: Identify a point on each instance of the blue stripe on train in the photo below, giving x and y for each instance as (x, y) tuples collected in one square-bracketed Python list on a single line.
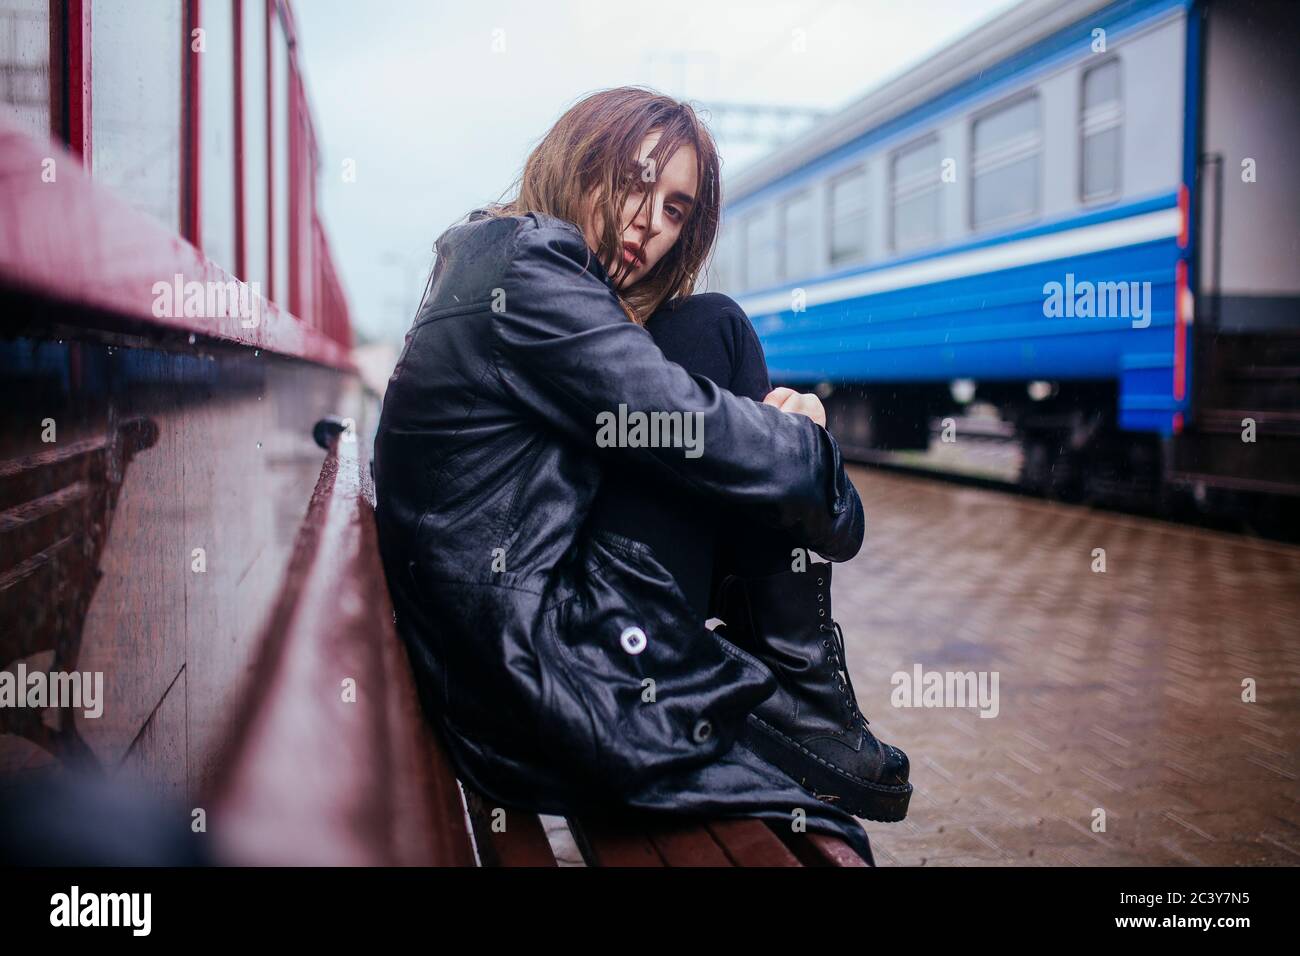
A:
[(992, 327)]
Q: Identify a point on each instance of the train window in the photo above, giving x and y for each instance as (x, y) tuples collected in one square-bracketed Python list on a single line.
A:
[(217, 117), (257, 248), (759, 249), (280, 158), (915, 192), (796, 239), (847, 211), (25, 64), (1101, 118), (136, 51), (1007, 145)]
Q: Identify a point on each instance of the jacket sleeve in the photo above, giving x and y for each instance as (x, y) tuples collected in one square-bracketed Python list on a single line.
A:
[(567, 352)]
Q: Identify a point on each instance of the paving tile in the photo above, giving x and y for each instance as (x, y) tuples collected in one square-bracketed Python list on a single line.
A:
[(1119, 690)]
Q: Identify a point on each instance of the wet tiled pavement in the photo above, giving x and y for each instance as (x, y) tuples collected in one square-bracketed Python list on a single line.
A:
[(1120, 693)]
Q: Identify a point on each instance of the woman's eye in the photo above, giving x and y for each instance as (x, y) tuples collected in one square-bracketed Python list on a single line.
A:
[(677, 213)]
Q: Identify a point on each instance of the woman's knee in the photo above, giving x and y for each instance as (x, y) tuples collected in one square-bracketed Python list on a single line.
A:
[(709, 334), (704, 310)]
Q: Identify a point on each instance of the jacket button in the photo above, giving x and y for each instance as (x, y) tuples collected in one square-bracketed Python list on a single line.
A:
[(633, 640), (703, 731)]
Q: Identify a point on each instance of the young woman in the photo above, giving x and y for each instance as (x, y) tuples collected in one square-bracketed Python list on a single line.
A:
[(553, 561)]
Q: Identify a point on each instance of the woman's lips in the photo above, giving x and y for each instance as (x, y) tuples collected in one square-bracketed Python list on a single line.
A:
[(630, 254)]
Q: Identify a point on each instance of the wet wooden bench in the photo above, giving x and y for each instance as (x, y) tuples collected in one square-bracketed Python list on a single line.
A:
[(333, 763), (56, 509)]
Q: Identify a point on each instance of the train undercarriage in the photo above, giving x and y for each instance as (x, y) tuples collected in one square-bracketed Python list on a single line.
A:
[(1237, 460)]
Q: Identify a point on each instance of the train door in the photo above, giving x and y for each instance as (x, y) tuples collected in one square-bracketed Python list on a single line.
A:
[(1244, 434)]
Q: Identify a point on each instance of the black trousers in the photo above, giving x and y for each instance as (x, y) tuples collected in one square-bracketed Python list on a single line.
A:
[(697, 540)]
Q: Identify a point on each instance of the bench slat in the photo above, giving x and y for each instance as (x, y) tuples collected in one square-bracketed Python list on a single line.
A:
[(751, 843), (820, 849), (834, 851), (523, 843), (604, 843), (451, 843), (14, 467), (11, 519), (686, 844), (428, 812)]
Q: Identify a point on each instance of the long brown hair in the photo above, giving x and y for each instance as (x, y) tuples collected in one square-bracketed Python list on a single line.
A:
[(588, 150)]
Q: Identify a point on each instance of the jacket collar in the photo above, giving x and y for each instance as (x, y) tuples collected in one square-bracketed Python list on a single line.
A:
[(593, 261)]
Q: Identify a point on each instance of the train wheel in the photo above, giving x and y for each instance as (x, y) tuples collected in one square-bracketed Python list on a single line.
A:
[(848, 418), (1036, 466), (1049, 469)]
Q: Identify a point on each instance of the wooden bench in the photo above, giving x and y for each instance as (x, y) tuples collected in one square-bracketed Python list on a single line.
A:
[(56, 509), (332, 761)]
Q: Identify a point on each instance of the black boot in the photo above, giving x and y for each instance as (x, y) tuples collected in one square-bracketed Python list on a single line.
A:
[(811, 727)]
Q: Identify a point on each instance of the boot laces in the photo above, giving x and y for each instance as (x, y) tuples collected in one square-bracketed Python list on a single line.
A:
[(836, 645)]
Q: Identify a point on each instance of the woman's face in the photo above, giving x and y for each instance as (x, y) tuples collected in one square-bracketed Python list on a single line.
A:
[(649, 234)]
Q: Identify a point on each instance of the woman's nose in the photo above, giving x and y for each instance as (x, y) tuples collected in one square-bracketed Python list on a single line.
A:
[(652, 220)]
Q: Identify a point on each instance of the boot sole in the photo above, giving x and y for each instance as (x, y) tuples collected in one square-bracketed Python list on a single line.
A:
[(883, 803)]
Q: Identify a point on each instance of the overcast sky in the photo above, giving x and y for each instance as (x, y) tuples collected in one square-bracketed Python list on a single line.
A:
[(438, 104)]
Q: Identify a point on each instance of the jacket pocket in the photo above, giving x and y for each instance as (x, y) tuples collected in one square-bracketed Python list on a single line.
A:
[(659, 691)]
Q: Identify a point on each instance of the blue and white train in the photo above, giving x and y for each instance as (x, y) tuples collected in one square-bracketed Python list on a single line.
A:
[(1085, 213)]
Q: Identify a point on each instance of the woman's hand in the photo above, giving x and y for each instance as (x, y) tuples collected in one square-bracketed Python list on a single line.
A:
[(797, 403)]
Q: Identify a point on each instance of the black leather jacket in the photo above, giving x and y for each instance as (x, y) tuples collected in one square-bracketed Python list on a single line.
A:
[(515, 614)]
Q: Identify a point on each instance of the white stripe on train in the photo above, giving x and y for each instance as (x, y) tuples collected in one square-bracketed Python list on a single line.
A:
[(1147, 227)]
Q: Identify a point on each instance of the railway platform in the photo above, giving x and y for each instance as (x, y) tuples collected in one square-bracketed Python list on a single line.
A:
[(1120, 692)]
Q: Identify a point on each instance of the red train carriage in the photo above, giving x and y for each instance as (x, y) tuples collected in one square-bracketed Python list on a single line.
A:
[(173, 328)]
